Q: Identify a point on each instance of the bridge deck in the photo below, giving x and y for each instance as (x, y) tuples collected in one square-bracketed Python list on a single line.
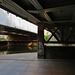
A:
[(28, 64)]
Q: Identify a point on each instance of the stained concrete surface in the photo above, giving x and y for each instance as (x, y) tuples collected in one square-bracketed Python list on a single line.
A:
[(28, 64)]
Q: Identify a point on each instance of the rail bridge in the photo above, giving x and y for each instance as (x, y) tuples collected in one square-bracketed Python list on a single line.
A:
[(56, 16)]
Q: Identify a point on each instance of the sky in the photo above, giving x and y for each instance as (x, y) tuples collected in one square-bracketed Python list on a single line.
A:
[(11, 20)]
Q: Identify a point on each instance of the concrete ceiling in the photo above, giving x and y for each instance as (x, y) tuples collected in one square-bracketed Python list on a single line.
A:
[(52, 13)]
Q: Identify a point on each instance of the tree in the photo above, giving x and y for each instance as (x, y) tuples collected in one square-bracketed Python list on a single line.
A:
[(46, 37)]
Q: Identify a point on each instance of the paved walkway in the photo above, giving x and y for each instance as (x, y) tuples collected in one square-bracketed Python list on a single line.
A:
[(28, 64)]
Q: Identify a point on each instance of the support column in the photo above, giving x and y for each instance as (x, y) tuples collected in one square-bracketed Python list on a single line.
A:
[(41, 41), (62, 34)]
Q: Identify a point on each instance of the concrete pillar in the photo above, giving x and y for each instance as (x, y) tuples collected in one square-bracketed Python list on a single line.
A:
[(41, 41)]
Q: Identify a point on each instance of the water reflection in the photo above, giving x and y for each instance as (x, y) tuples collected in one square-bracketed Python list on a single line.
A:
[(17, 49)]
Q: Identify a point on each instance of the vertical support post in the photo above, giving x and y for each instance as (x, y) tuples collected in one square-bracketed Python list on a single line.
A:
[(41, 41), (62, 34)]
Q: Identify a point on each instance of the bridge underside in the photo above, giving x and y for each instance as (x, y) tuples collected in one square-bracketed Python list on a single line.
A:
[(17, 34), (56, 16)]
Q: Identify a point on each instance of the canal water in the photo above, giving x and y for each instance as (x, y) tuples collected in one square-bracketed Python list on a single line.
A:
[(5, 49)]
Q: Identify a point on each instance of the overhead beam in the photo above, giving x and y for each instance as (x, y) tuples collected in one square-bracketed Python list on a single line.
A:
[(69, 7), (69, 22), (16, 9), (65, 21), (62, 8), (36, 4), (34, 11)]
